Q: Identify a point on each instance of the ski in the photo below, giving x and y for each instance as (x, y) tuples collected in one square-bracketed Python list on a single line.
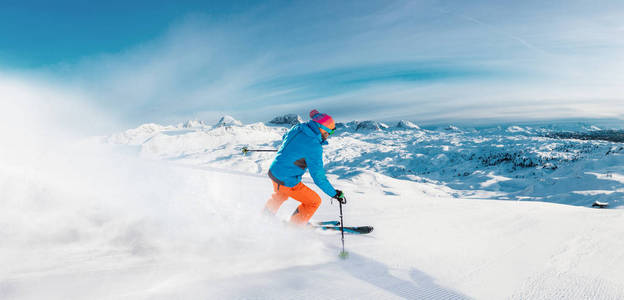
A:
[(325, 223), (351, 230)]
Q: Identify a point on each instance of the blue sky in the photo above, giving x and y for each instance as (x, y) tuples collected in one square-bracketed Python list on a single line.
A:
[(426, 61), (40, 33)]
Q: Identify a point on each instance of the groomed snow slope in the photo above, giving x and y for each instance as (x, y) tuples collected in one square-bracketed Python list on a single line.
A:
[(147, 230), (98, 221)]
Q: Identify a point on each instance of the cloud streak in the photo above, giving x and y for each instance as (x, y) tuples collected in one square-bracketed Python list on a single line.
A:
[(428, 61)]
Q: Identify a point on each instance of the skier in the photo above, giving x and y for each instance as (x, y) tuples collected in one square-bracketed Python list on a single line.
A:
[(302, 149)]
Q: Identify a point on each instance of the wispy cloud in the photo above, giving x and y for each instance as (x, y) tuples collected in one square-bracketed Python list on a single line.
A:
[(421, 60)]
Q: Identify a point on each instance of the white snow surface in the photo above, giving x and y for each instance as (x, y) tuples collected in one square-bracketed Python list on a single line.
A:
[(174, 212)]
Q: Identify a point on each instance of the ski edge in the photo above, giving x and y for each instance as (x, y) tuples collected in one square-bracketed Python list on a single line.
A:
[(350, 229)]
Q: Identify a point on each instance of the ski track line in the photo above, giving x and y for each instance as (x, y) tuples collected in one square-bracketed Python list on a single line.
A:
[(558, 280), (553, 285)]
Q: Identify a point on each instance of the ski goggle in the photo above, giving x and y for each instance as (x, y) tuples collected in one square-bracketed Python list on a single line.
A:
[(330, 131)]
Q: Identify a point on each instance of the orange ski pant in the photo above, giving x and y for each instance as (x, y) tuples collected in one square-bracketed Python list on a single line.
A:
[(309, 199)]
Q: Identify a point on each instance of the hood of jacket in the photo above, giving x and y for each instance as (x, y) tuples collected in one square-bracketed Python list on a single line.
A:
[(311, 128)]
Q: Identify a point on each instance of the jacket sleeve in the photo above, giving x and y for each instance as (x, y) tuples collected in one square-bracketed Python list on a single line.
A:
[(315, 165)]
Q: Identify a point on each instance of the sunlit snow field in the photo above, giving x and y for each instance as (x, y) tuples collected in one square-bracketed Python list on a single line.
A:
[(174, 212)]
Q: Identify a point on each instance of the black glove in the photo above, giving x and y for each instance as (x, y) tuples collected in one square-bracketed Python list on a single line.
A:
[(340, 197)]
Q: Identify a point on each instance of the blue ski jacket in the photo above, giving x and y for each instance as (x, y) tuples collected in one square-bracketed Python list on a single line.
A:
[(301, 149)]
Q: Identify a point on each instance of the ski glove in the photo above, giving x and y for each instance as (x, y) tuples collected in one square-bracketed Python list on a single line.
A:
[(340, 197)]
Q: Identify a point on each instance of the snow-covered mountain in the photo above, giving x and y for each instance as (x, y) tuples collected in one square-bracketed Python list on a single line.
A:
[(506, 162), (287, 119), (404, 124), (228, 121), (366, 125), (194, 124)]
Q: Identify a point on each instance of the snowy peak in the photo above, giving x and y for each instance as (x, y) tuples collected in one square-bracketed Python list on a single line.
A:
[(593, 128), (139, 135), (228, 121), (194, 124), (288, 119), (367, 125), (404, 124)]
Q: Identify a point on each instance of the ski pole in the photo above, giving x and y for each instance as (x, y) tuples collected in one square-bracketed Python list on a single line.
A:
[(245, 150), (343, 253)]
